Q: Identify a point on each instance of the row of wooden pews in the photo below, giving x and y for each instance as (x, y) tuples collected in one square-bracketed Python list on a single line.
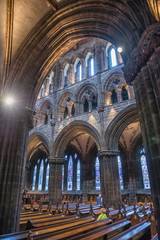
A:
[(60, 226)]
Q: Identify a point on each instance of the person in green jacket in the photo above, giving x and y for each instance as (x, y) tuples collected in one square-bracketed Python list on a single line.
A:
[(102, 215)]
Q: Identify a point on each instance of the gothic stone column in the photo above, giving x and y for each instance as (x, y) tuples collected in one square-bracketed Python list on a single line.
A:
[(55, 180), (14, 128), (143, 69), (110, 186)]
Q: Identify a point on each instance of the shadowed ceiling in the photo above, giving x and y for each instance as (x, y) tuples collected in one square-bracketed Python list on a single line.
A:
[(44, 30)]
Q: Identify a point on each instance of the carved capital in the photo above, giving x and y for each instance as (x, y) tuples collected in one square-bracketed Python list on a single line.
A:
[(108, 153), (56, 160), (148, 44), (100, 109)]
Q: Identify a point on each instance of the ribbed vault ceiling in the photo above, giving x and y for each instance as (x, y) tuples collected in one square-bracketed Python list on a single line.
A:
[(119, 22)]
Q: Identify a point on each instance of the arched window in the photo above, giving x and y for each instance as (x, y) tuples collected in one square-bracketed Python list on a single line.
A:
[(120, 172), (124, 93), (62, 177), (73, 110), (47, 178), (113, 57), (91, 66), (79, 71), (40, 181), (94, 103), (66, 75), (34, 178), (70, 174), (114, 97), (144, 167), (97, 173), (78, 175), (86, 106), (65, 112)]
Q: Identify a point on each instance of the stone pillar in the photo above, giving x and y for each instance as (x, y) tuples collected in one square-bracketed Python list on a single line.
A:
[(144, 71), (60, 113), (69, 110), (102, 59), (77, 108), (107, 96), (55, 180), (61, 78), (72, 77), (84, 180), (84, 69), (110, 186), (14, 128), (119, 97), (131, 173), (90, 105)]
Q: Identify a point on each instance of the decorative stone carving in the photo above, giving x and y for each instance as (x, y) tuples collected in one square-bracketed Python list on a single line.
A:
[(149, 42)]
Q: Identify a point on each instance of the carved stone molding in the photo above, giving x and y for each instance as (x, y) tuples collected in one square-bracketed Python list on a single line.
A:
[(56, 160), (108, 153), (100, 109), (148, 44)]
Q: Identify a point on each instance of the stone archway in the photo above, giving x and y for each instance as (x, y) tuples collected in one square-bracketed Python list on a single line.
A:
[(69, 132), (118, 124)]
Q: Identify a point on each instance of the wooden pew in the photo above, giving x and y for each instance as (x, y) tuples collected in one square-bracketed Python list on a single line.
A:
[(27, 207), (42, 232), (44, 217), (140, 231), (89, 232), (41, 223)]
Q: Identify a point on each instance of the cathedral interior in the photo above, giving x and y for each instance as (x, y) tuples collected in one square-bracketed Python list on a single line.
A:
[(79, 106)]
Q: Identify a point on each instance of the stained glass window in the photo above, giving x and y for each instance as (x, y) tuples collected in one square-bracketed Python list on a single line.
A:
[(120, 172), (78, 175), (62, 177), (65, 157), (34, 178), (70, 174), (75, 155), (113, 58), (40, 181), (146, 180), (47, 178), (97, 173)]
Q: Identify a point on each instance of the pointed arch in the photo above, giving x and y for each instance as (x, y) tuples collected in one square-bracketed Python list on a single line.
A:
[(72, 130), (118, 124)]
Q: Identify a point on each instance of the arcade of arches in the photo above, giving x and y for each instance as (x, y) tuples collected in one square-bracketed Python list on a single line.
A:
[(85, 117)]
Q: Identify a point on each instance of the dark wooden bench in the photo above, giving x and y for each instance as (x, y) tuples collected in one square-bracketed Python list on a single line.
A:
[(139, 231), (42, 223), (93, 231), (45, 231)]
